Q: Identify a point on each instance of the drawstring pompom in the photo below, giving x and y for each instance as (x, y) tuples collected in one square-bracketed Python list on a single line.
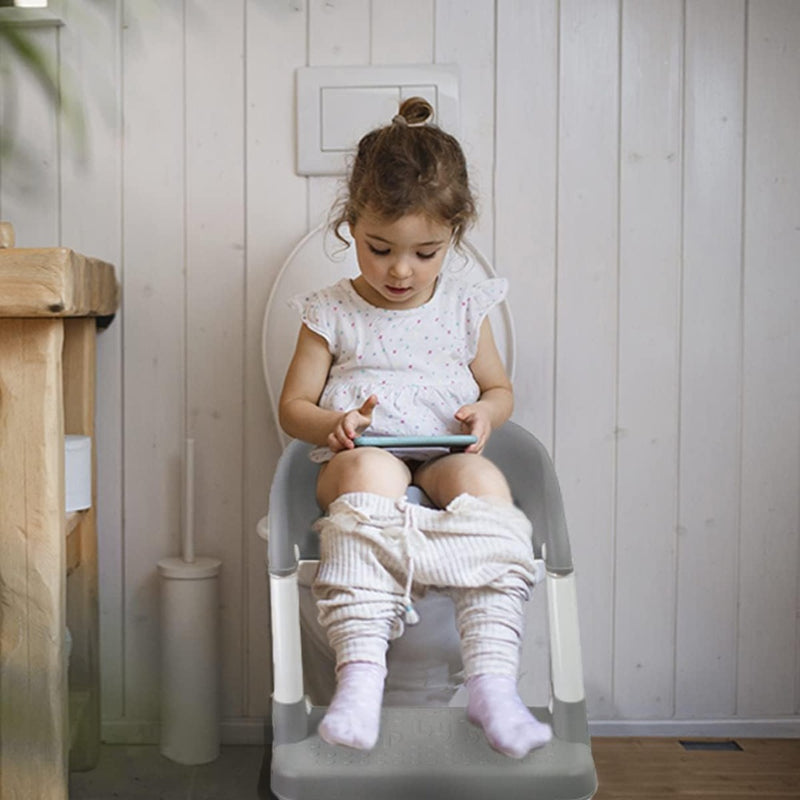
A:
[(410, 616)]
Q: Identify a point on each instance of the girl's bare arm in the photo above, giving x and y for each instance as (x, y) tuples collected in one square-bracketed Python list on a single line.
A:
[(298, 412), (496, 402)]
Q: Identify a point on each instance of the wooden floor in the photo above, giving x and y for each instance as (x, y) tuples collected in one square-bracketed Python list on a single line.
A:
[(662, 769)]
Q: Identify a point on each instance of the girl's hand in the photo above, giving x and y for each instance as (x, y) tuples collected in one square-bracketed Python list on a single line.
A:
[(351, 424), (476, 420)]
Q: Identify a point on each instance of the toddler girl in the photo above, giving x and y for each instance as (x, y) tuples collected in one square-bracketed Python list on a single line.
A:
[(403, 349)]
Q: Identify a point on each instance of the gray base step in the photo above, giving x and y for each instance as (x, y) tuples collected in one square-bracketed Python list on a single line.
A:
[(430, 753)]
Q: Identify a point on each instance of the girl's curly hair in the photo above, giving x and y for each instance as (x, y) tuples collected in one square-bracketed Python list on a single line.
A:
[(408, 167)]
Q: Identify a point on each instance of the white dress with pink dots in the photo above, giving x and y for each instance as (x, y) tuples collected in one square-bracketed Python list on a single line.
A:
[(415, 360)]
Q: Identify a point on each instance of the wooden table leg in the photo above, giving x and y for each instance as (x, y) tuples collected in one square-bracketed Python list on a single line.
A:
[(33, 683), (82, 584)]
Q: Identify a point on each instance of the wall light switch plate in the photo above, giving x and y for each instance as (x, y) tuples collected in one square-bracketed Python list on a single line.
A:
[(336, 106)]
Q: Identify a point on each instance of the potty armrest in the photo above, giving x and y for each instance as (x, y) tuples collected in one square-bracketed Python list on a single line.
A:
[(292, 510), (531, 476)]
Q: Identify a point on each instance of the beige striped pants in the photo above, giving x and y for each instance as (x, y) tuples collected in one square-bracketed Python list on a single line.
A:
[(377, 553)]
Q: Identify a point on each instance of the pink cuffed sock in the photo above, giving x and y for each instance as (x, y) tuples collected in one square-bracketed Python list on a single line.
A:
[(508, 725), (354, 715)]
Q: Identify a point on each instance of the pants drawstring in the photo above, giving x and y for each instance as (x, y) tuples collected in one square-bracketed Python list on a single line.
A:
[(410, 615)]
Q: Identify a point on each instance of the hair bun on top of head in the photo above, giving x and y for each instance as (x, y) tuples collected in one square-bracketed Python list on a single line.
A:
[(413, 112)]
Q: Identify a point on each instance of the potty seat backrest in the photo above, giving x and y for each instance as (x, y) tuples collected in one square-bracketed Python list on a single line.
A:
[(319, 260)]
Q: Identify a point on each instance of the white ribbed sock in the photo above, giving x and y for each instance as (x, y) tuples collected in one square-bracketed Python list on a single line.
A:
[(354, 715), (509, 727)]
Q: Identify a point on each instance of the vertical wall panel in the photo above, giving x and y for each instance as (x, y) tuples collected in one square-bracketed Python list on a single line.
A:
[(525, 176), (153, 296), (525, 199), (29, 176), (465, 36), (215, 310), (586, 314), (338, 33), (91, 223), (276, 220), (647, 465), (402, 33), (710, 362), (771, 396)]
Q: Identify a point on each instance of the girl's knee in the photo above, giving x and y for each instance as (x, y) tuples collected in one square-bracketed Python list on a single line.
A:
[(463, 473), (364, 469)]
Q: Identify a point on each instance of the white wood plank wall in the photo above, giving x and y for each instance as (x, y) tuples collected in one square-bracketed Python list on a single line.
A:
[(639, 181)]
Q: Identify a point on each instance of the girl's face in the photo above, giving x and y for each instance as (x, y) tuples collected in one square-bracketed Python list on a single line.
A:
[(400, 260)]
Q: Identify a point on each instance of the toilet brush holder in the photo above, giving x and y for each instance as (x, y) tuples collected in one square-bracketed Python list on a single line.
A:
[(190, 706)]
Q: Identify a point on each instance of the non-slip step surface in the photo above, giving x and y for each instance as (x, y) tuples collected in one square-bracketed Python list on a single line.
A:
[(430, 753)]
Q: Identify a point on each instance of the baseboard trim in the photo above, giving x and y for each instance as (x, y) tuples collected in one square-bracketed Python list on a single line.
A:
[(782, 728), (244, 731)]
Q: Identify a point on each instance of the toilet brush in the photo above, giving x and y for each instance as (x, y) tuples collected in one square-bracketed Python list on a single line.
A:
[(190, 707)]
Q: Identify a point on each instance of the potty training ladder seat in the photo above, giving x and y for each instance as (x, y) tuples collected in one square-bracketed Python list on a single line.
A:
[(428, 752), (425, 752)]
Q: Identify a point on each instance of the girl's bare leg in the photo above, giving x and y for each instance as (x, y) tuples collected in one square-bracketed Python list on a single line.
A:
[(443, 479), (364, 469)]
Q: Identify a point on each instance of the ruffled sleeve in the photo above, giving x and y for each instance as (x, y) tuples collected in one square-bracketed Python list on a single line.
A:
[(318, 312), (480, 299)]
